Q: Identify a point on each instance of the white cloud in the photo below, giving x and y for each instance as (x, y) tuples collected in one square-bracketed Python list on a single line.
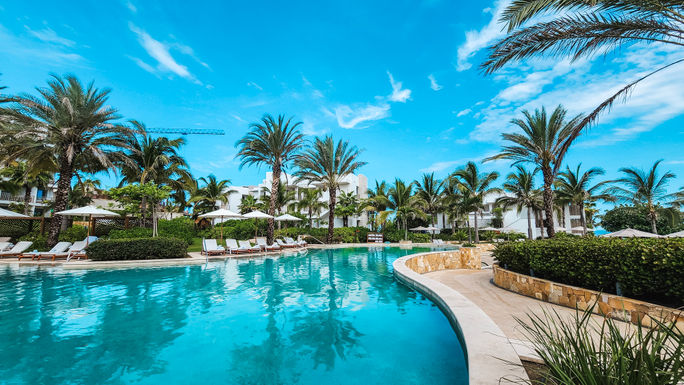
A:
[(348, 117), (464, 112), (433, 83), (131, 7), (50, 36), (479, 39), (253, 84), (161, 53), (37, 51), (441, 166), (398, 94)]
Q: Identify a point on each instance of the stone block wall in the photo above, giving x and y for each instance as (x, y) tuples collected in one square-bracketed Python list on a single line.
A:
[(463, 258), (620, 308)]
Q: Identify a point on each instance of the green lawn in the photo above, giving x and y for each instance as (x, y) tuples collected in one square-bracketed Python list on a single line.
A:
[(196, 245)]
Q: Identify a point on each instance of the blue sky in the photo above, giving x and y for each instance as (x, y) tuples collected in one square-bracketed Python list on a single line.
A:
[(398, 79)]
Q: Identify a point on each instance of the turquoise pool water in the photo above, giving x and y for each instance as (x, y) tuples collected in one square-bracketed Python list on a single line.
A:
[(327, 317)]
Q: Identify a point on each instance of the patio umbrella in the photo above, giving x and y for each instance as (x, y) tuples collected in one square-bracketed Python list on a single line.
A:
[(490, 229), (256, 215), (631, 233), (419, 228), (7, 213), (432, 230), (287, 217), (221, 213), (679, 234), (89, 211)]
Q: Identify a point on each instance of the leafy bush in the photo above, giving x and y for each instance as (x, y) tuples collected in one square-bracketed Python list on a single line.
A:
[(39, 241), (652, 269), (181, 228), (73, 234), (133, 232), (636, 217), (340, 234), (136, 249)]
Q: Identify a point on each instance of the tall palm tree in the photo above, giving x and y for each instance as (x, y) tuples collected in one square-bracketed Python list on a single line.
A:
[(284, 198), (475, 185), (211, 194), (327, 163), (520, 185), (429, 193), (640, 187), (19, 175), (273, 142), (310, 202), (348, 206), (544, 142), (376, 204), (580, 28), (575, 187), (153, 160), (403, 204), (83, 191), (68, 126), (248, 204)]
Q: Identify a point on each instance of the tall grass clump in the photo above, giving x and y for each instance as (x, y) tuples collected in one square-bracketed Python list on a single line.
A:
[(582, 350)]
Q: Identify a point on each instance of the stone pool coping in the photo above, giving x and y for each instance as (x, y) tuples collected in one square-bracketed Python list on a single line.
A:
[(490, 356)]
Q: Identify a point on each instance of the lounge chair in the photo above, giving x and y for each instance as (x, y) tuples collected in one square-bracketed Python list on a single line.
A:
[(76, 250), (19, 248), (261, 242), (283, 244), (248, 246), (210, 247), (291, 241), (233, 247), (60, 247), (5, 246), (438, 242), (5, 239)]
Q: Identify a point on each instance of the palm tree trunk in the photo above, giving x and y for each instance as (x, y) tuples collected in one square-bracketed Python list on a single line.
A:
[(310, 219), (27, 199), (66, 172), (583, 218), (275, 185), (652, 214), (331, 215), (529, 224), (477, 233), (470, 234), (548, 202), (405, 229)]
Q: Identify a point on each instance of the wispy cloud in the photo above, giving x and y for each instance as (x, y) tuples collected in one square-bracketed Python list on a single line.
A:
[(254, 85), (399, 94), (348, 117), (479, 39), (464, 112), (48, 35), (161, 52), (131, 7), (36, 51), (433, 83)]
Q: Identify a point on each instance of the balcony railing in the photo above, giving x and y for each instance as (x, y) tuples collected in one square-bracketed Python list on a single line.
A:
[(7, 196)]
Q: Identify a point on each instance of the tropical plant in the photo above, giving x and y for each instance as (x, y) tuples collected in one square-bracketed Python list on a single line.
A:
[(475, 185), (580, 28), (249, 204), (429, 195), (348, 206), (68, 127), (575, 187), (284, 198), (131, 197), (376, 204), (520, 185), (403, 204), (668, 219), (273, 142), (640, 187), (327, 163), (19, 175), (544, 141), (310, 202), (83, 191), (210, 195)]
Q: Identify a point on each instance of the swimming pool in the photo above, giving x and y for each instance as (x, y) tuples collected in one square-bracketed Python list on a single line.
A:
[(329, 316)]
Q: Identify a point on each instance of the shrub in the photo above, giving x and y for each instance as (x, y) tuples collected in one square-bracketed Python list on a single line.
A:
[(138, 248), (133, 232), (340, 234), (39, 241), (181, 228), (651, 269), (73, 234)]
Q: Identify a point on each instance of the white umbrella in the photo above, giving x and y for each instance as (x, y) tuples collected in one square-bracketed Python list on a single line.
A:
[(89, 211), (256, 215), (679, 234), (432, 230), (287, 217), (490, 229), (631, 233), (221, 213), (7, 213), (419, 228)]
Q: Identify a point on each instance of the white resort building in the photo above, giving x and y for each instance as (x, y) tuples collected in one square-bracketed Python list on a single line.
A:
[(38, 202)]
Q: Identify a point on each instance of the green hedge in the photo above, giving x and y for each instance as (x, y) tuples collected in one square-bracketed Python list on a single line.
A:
[(180, 228), (340, 234), (651, 269), (138, 248)]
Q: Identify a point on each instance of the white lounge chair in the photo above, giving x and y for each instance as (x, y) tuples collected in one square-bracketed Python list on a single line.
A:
[(283, 244), (234, 248), (76, 250), (4, 246), (60, 247), (210, 247), (19, 248), (291, 241), (248, 246), (261, 242), (5, 239)]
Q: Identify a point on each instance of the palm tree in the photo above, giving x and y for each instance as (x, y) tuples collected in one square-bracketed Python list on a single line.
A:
[(580, 28), (475, 185), (520, 185), (327, 163), (19, 175), (575, 187), (348, 206), (643, 188), (83, 191), (273, 142), (249, 204), (283, 199), (69, 126), (429, 193), (544, 142), (209, 196), (403, 204), (154, 160), (310, 201)]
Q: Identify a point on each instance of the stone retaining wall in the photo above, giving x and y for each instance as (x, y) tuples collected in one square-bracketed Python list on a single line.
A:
[(463, 258), (620, 308)]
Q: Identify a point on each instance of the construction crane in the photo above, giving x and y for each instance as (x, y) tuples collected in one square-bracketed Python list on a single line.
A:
[(185, 131)]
